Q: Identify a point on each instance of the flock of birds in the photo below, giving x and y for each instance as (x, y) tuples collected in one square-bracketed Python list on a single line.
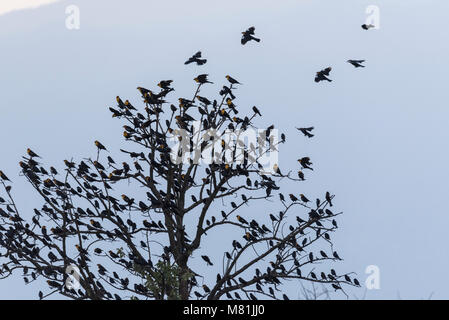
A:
[(156, 99), (248, 35)]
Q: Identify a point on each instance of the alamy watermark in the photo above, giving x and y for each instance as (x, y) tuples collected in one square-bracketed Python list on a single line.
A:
[(228, 147), (373, 16), (73, 20), (73, 277), (373, 279)]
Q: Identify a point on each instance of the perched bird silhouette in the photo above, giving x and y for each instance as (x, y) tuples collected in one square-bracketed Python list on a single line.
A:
[(196, 58), (248, 35), (206, 258), (356, 63), (321, 75), (3, 176), (232, 80), (32, 154), (367, 26), (99, 145)]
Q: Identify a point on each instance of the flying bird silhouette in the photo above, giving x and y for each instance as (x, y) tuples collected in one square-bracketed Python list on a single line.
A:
[(306, 131), (248, 35), (357, 63), (321, 75), (367, 26), (196, 58)]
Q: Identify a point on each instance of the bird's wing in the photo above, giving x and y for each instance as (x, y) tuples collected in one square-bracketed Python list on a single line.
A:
[(327, 71)]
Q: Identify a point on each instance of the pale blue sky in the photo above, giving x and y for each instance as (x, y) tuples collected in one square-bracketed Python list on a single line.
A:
[(381, 132)]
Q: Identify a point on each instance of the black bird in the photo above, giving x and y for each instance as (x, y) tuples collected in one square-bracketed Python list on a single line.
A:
[(248, 35), (303, 198), (3, 176), (202, 79), (356, 63), (242, 220), (367, 26), (335, 254), (32, 154), (206, 258), (306, 131), (256, 111), (206, 288), (329, 198), (321, 75), (305, 163), (232, 80), (196, 58), (165, 84), (99, 145)]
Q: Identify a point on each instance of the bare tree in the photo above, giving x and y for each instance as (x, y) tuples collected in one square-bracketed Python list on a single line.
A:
[(185, 170)]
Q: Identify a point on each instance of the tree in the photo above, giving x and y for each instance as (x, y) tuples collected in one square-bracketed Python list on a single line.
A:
[(183, 170)]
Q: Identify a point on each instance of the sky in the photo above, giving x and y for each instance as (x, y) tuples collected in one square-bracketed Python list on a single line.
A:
[(381, 131), (7, 6)]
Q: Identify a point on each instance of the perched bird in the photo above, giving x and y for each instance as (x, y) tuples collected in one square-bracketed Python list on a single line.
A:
[(242, 220), (329, 198), (356, 63), (303, 198), (306, 131), (202, 79), (321, 75), (248, 35), (232, 80), (99, 145), (204, 100), (206, 288), (3, 176), (32, 154), (197, 59), (256, 111), (367, 26), (206, 258)]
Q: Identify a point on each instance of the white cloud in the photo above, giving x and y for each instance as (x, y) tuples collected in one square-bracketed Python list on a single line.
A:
[(13, 5)]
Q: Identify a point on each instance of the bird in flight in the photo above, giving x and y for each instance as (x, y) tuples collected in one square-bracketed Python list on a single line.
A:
[(367, 26), (248, 35), (321, 75), (202, 79), (306, 131), (357, 63), (196, 58)]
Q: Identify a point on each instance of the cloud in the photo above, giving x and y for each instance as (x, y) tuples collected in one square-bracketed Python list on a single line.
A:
[(7, 6)]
